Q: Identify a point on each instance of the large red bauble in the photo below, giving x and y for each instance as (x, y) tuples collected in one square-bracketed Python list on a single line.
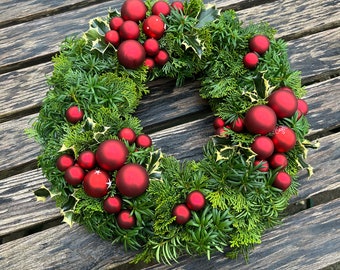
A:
[(154, 27), (182, 213), (127, 134), (278, 160), (160, 7), (161, 57), (132, 180), (96, 183), (112, 37), (74, 175), (111, 155), (131, 54), (286, 88), (259, 44), (125, 220), (263, 146), (282, 181), (264, 166), (237, 125), (113, 205), (151, 46), (87, 160), (250, 60), (260, 119), (302, 106), (143, 140), (195, 200), (116, 23), (284, 139), (284, 103), (134, 10), (129, 30), (64, 161), (74, 114)]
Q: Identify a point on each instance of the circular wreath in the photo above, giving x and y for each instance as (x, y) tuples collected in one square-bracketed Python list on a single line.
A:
[(106, 174)]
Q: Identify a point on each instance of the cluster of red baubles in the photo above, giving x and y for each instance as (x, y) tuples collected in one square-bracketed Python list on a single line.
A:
[(258, 45), (272, 140), (125, 32)]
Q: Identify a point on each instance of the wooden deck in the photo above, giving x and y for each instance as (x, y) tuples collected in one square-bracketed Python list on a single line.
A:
[(31, 233)]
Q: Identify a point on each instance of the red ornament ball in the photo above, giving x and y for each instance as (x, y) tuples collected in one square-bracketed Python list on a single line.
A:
[(237, 125), (112, 37), (134, 10), (149, 62), (182, 213), (264, 166), (177, 5), (284, 103), (127, 134), (154, 27), (143, 140), (96, 183), (113, 205), (74, 175), (282, 181), (111, 155), (195, 200), (125, 220), (161, 57), (286, 89), (284, 139), (64, 161), (151, 46), (160, 7), (250, 60), (132, 180), (87, 160), (116, 23), (259, 44), (218, 123), (129, 30), (302, 106), (221, 131), (260, 119), (278, 160), (263, 146), (74, 114), (131, 54)]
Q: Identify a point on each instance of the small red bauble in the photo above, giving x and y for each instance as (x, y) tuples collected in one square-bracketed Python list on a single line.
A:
[(161, 58), (259, 44), (143, 140), (195, 200), (218, 123), (129, 30), (154, 27), (149, 62), (127, 134), (260, 119), (250, 60), (125, 220), (264, 166), (263, 147), (132, 180), (111, 155), (237, 125), (131, 54), (151, 46), (96, 183), (282, 181), (278, 160), (64, 161), (177, 5), (112, 37), (161, 7), (284, 139), (116, 23), (284, 103), (134, 10), (302, 106), (74, 114), (74, 175), (113, 205), (222, 131), (182, 213), (87, 160)]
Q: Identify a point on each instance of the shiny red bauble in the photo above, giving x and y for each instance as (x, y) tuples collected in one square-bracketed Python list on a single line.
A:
[(160, 7), (151, 46), (74, 114), (143, 140), (96, 183), (250, 60), (134, 10), (132, 180), (237, 125), (125, 220), (129, 30), (278, 160), (74, 175), (182, 213), (282, 181), (154, 27), (218, 123), (87, 160), (127, 134), (112, 37), (302, 106), (131, 54), (259, 44), (264, 166), (284, 103), (284, 139), (195, 200), (260, 119), (263, 147), (177, 5), (116, 23), (149, 62), (113, 205), (111, 155), (161, 58), (64, 161)]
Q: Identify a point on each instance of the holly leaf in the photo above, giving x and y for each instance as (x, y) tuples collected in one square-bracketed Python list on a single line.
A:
[(96, 34), (209, 14), (195, 44), (100, 26), (43, 193)]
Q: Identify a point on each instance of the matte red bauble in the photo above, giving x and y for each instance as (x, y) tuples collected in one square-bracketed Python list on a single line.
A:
[(116, 23), (127, 134), (260, 119), (182, 213), (151, 46), (161, 58), (263, 146), (286, 88), (87, 160), (195, 200), (149, 62), (112, 37), (284, 139), (131, 54), (64, 161), (134, 10), (264, 166), (278, 160), (74, 114), (302, 106), (132, 180), (284, 103), (237, 125), (154, 27), (111, 155), (221, 131), (143, 140), (250, 60), (161, 7), (218, 123), (113, 205), (96, 183), (74, 175), (129, 30), (282, 181), (259, 44), (125, 220), (177, 5)]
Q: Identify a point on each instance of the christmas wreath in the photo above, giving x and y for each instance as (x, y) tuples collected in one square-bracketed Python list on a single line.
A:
[(106, 174)]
